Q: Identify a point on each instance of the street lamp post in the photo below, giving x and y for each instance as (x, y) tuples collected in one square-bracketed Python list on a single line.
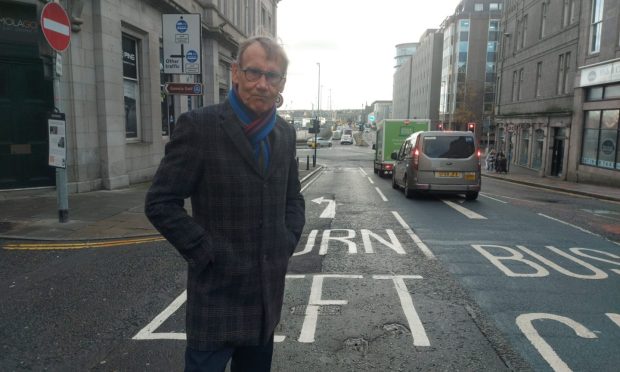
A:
[(318, 112)]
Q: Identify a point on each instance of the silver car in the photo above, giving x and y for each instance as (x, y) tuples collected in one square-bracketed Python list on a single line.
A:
[(438, 161)]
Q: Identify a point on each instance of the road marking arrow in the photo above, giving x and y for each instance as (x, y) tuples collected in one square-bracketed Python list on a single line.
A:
[(330, 211)]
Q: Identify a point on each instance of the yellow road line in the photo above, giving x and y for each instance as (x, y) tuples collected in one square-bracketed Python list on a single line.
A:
[(79, 245)]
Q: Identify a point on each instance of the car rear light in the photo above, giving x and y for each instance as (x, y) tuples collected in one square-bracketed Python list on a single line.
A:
[(387, 166), (415, 154), (479, 153)]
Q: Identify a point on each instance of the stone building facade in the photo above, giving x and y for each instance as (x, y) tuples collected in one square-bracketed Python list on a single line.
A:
[(118, 118)]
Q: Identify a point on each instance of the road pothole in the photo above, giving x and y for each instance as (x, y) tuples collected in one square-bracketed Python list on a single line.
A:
[(359, 345), (396, 329)]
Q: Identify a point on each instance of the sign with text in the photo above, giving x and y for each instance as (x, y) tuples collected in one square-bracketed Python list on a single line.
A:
[(56, 127), (182, 43), (186, 89)]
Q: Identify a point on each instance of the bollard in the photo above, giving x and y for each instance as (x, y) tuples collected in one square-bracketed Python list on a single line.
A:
[(308, 162), (297, 159), (313, 161)]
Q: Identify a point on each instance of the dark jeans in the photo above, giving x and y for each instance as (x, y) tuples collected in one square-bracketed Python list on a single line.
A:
[(244, 359)]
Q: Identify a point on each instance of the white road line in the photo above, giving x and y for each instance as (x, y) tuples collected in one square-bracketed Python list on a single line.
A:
[(427, 252), (381, 194), (489, 197), (363, 171), (469, 214), (371, 181), (576, 227), (147, 332), (311, 182)]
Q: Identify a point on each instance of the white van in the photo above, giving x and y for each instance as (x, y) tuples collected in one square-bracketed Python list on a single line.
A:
[(337, 135), (438, 161)]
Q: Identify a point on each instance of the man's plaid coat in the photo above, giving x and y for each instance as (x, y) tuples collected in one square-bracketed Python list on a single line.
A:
[(245, 225)]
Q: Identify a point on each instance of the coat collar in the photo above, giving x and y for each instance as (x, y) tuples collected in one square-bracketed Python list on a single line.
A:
[(231, 125)]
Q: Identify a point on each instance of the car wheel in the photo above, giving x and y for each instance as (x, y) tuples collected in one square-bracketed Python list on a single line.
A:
[(408, 191), (471, 195), (394, 184)]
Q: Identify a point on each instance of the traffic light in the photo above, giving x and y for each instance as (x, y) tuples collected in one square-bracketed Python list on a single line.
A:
[(315, 128), (471, 127)]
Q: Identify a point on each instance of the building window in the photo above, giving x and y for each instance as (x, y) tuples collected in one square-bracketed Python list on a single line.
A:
[(538, 78), (563, 71), (596, 26), (520, 85), (524, 35), (525, 146), (543, 20), (515, 76), (568, 12), (495, 6), (600, 139), (560, 85), (478, 7), (131, 87), (537, 151)]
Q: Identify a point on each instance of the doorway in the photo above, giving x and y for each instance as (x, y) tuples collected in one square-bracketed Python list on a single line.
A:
[(557, 154), (25, 100)]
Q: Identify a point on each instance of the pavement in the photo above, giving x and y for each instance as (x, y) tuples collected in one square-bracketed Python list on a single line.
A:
[(32, 214)]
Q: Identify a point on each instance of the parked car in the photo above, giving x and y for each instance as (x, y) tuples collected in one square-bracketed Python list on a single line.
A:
[(322, 142), (437, 161)]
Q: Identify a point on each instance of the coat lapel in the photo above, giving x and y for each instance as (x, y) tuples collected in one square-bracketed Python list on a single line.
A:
[(231, 125), (276, 138)]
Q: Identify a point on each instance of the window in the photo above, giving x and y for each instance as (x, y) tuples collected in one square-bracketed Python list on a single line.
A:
[(495, 6), (131, 87), (478, 7), (524, 35), (543, 20), (612, 91), (525, 146), (537, 151), (563, 71), (596, 26), (559, 89), (514, 86), (568, 12), (520, 88), (538, 79), (600, 139)]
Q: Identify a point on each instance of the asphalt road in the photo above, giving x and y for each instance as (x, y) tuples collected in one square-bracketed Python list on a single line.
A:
[(521, 279)]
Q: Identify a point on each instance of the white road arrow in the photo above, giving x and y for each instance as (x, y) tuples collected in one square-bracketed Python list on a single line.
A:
[(330, 211)]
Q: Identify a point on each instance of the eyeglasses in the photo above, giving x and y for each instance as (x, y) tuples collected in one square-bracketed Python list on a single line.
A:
[(253, 74)]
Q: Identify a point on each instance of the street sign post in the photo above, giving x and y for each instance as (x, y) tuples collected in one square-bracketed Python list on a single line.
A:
[(56, 26), (182, 43), (186, 89)]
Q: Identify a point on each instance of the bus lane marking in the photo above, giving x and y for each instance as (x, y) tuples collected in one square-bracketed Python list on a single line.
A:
[(469, 214), (511, 261), (524, 322)]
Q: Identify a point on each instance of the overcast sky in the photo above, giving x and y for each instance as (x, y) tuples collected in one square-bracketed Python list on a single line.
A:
[(354, 42)]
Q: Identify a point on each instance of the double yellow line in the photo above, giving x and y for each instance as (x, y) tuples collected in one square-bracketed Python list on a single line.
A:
[(79, 245)]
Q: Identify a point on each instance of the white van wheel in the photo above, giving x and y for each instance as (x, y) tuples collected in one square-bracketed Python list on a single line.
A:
[(408, 191)]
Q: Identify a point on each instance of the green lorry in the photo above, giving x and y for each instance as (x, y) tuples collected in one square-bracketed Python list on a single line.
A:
[(391, 133)]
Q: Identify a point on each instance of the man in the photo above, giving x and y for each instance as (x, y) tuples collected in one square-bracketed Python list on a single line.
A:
[(236, 161)]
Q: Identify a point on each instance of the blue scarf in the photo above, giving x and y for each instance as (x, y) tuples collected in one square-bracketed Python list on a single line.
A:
[(256, 129)]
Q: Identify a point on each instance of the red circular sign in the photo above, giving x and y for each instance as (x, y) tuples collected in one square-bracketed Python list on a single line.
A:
[(56, 26)]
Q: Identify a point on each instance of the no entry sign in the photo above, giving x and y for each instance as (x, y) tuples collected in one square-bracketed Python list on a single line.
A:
[(56, 26)]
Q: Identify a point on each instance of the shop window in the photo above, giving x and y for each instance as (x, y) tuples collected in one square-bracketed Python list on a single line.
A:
[(537, 153), (131, 87), (608, 139), (594, 94), (612, 91), (525, 146)]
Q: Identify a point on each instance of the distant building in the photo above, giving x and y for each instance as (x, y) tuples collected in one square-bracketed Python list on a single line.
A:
[(381, 110), (118, 117), (417, 81), (468, 77)]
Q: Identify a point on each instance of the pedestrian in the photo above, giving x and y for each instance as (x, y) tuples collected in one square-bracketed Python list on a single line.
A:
[(490, 160), (236, 160), (500, 163)]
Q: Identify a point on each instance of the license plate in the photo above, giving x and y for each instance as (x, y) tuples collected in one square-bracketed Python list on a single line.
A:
[(448, 174)]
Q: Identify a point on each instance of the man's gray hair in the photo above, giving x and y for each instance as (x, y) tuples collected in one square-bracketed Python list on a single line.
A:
[(274, 50)]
